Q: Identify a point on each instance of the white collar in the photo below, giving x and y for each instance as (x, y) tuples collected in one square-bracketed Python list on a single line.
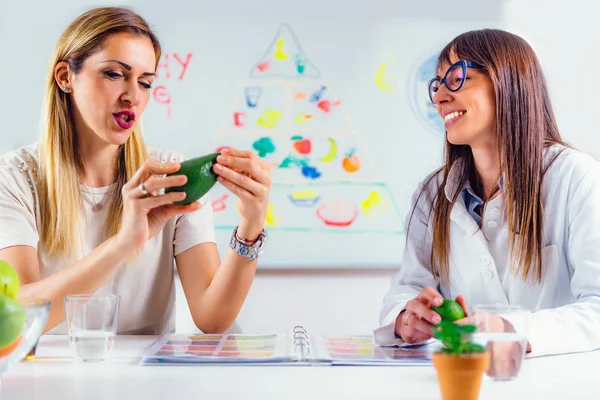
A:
[(453, 184)]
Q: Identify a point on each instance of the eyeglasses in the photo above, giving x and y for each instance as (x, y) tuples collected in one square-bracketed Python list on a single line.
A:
[(454, 78)]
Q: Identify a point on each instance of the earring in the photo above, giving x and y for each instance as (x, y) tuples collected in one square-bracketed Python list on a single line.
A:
[(65, 89)]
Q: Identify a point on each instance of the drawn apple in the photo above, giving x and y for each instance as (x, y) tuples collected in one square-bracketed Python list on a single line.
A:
[(9, 280), (351, 162), (324, 105), (303, 146)]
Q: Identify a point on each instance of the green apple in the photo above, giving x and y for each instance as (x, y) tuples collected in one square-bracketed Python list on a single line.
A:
[(9, 280), (12, 319)]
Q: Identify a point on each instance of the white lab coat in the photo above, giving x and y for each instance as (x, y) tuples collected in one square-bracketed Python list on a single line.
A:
[(565, 305)]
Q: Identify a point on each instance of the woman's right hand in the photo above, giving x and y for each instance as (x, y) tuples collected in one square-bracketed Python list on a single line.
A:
[(415, 323), (145, 214)]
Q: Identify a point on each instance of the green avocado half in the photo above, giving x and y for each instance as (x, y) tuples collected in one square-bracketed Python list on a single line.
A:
[(200, 177)]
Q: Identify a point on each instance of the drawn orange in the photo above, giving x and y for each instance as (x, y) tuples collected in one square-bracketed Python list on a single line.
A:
[(351, 163)]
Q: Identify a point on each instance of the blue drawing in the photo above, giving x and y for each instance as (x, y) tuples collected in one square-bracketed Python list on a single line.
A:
[(316, 96), (310, 172), (304, 198), (252, 96)]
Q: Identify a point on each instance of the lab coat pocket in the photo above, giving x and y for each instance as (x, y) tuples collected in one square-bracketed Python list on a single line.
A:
[(532, 294)]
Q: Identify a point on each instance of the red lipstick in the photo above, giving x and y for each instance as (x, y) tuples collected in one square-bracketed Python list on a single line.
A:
[(125, 119)]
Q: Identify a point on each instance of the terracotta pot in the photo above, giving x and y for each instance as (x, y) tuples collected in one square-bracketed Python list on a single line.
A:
[(459, 376)]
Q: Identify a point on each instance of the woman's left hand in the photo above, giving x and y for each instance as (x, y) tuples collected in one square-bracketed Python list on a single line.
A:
[(247, 176)]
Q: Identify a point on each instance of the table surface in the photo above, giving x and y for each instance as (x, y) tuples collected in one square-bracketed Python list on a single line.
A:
[(55, 375)]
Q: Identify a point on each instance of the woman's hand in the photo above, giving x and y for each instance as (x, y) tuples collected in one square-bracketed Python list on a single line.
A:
[(415, 323), (248, 177), (145, 209)]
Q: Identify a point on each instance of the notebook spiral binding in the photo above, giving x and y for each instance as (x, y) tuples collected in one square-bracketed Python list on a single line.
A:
[(301, 342)]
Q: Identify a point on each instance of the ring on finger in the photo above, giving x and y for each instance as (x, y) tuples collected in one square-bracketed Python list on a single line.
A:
[(142, 189), (407, 317)]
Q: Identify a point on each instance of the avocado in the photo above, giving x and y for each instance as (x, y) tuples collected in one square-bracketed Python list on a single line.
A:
[(200, 175), (450, 310), (12, 319)]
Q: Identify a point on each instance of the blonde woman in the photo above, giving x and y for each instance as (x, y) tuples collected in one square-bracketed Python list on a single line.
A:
[(82, 210)]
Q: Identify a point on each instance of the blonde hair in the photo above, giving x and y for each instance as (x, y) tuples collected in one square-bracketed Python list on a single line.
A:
[(60, 161)]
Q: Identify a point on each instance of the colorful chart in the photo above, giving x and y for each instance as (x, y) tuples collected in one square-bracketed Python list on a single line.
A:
[(351, 348), (324, 178), (222, 347), (356, 348)]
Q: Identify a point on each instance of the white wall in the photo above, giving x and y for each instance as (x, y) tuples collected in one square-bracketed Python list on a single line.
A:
[(326, 302), (566, 38)]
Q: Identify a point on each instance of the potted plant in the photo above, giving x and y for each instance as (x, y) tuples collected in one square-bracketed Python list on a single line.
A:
[(460, 364)]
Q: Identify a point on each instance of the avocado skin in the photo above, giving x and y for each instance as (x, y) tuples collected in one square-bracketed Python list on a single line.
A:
[(200, 178)]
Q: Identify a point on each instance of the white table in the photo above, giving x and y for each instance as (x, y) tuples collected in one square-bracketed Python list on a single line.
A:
[(55, 375)]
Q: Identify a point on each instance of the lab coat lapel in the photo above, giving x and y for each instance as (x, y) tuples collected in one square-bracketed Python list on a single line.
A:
[(461, 217)]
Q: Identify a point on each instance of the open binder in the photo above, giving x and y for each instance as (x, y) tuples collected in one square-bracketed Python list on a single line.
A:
[(296, 347)]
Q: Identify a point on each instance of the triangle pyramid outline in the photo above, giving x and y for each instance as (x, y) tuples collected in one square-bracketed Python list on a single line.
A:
[(285, 31), (286, 127), (369, 184)]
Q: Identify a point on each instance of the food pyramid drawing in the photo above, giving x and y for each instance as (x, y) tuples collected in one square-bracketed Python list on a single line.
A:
[(323, 177)]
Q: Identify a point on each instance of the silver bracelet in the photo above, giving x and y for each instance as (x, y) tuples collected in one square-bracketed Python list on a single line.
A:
[(247, 248)]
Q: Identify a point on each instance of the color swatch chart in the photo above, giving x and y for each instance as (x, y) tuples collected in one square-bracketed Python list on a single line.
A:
[(236, 347), (357, 348)]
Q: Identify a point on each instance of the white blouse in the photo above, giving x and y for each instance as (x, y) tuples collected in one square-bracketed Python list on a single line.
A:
[(146, 286)]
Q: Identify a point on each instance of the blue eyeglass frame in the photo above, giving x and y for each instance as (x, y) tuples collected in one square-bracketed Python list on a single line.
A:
[(461, 63)]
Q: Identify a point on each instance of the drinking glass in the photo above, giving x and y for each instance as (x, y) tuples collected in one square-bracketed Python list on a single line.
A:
[(92, 325), (503, 330)]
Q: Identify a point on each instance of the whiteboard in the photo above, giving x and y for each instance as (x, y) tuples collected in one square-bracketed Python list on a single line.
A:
[(334, 97)]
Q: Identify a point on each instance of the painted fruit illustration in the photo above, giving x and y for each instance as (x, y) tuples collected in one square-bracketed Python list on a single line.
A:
[(351, 162), (302, 146), (332, 153)]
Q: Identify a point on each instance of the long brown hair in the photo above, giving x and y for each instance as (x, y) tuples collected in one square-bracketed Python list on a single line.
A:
[(60, 163), (525, 125)]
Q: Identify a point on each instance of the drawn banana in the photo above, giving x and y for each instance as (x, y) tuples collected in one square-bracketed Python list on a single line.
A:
[(381, 81), (332, 153)]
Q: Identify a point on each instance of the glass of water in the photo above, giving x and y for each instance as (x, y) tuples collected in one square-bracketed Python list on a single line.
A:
[(92, 325), (503, 330)]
